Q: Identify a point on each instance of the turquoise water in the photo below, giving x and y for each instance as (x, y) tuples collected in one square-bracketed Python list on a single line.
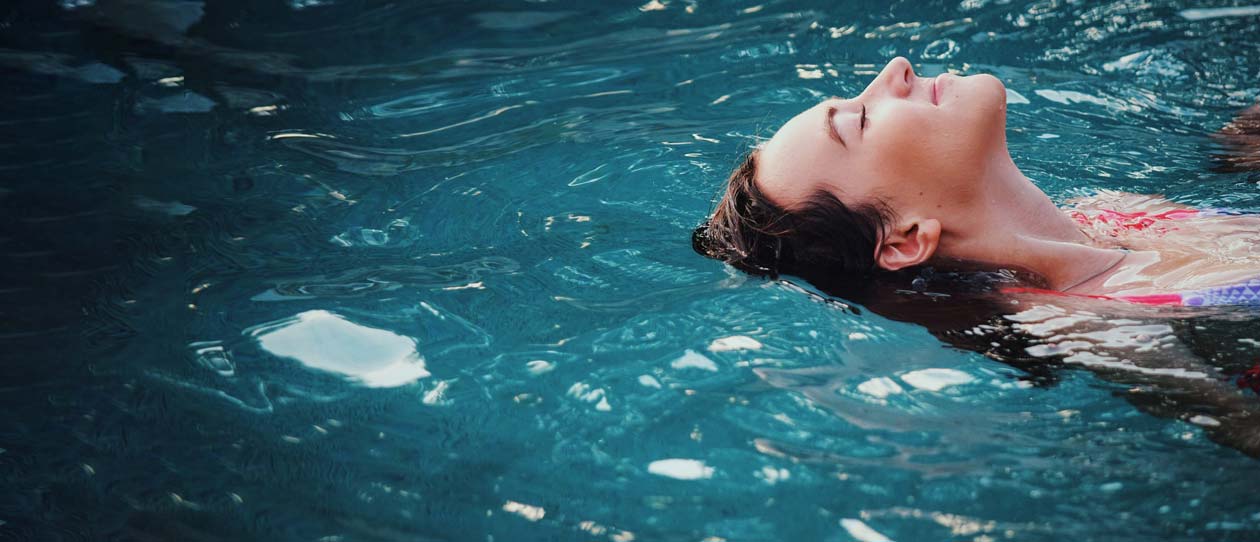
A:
[(353, 270)]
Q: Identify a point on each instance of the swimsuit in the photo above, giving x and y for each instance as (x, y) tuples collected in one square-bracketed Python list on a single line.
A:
[(1141, 220), (1245, 293)]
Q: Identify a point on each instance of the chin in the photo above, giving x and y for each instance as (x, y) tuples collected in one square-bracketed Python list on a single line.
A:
[(978, 118), (988, 98), (986, 91)]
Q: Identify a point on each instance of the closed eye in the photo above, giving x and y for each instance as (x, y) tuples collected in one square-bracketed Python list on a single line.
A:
[(862, 125), (831, 127)]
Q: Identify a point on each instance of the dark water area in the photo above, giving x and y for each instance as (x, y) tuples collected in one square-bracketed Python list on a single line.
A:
[(356, 270)]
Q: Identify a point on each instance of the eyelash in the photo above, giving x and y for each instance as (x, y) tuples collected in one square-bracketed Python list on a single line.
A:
[(862, 124)]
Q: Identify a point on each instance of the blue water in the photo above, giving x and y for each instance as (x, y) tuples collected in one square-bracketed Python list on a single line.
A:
[(360, 270)]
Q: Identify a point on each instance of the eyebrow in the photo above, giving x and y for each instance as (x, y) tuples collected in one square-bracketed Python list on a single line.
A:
[(831, 127)]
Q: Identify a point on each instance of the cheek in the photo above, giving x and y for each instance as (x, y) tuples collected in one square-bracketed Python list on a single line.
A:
[(966, 135), (917, 144), (929, 152)]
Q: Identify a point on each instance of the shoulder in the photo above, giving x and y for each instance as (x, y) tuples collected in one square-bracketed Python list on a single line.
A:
[(1126, 202)]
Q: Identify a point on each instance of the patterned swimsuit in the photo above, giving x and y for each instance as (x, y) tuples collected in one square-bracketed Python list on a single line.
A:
[(1244, 293)]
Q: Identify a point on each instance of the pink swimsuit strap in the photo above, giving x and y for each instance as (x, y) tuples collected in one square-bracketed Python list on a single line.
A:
[(1244, 293), (1240, 294), (1151, 299), (1136, 221)]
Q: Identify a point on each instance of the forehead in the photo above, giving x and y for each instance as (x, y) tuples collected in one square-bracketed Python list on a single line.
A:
[(788, 165)]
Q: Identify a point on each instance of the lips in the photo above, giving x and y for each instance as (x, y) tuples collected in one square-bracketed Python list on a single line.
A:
[(938, 87)]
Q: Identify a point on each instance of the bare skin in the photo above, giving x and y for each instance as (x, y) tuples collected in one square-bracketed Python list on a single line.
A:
[(934, 150), (937, 156), (1185, 254)]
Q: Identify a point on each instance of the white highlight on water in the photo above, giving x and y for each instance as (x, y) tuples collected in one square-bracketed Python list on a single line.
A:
[(1015, 98), (1090, 359), (1214, 13), (694, 360), (681, 469), (809, 73), (861, 531), (437, 395), (734, 342), (772, 475), (1153, 61), (936, 379), (326, 341), (880, 387), (583, 392), (212, 355), (529, 512), (1205, 421), (539, 366), (1068, 97)]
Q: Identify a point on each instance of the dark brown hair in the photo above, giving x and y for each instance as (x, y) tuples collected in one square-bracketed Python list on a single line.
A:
[(832, 246), (820, 240)]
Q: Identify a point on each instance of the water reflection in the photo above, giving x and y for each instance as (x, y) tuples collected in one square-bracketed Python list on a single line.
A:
[(1182, 363), (328, 342), (528, 247)]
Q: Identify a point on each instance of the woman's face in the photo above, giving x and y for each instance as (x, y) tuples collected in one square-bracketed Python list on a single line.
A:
[(916, 143)]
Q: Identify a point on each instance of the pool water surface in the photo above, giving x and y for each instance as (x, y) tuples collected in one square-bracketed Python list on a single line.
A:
[(366, 270)]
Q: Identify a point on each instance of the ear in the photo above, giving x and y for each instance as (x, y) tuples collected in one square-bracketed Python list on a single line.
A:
[(911, 244)]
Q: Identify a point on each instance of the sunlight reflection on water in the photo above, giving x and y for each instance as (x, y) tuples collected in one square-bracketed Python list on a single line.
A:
[(333, 269), (328, 342)]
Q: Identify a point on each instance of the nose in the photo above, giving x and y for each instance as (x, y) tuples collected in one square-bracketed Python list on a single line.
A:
[(897, 78)]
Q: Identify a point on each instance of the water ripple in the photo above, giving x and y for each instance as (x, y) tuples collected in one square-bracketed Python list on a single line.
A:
[(500, 197)]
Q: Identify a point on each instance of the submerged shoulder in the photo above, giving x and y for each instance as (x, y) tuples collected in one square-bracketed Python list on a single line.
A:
[(1125, 202)]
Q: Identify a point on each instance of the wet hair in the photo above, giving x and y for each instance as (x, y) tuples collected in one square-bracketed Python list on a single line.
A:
[(820, 240), (832, 245), (1239, 144)]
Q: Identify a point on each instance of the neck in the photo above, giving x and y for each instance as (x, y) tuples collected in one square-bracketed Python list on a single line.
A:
[(1016, 225)]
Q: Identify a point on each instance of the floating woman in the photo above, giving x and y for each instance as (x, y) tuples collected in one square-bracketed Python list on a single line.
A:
[(905, 199), (915, 172)]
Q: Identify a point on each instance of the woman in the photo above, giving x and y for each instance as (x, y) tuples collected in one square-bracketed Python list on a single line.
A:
[(915, 172), (907, 192)]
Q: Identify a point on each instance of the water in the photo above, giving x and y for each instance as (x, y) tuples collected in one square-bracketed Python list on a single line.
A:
[(352, 270)]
